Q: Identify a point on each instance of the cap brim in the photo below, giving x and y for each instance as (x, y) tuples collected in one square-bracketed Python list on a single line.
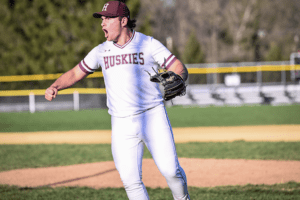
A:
[(103, 13)]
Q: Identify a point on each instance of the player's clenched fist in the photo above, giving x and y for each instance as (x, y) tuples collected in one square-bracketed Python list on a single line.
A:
[(51, 93)]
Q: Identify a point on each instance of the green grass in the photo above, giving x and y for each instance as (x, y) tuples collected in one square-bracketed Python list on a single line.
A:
[(32, 156), (234, 116), (179, 117), (241, 150), (55, 121), (25, 156), (286, 191)]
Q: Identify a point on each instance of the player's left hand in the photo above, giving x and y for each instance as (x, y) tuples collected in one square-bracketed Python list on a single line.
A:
[(173, 84)]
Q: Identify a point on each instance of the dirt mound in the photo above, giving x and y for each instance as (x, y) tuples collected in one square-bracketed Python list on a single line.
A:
[(200, 173)]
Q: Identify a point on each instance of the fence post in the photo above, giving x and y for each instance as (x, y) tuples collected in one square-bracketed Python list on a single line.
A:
[(31, 102), (283, 76), (259, 75), (76, 100)]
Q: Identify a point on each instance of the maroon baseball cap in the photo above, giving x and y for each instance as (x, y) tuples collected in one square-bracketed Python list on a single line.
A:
[(113, 9)]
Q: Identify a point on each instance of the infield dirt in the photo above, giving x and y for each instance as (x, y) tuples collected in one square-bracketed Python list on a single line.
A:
[(194, 134), (200, 172)]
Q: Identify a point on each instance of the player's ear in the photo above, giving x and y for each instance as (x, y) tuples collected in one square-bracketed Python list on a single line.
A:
[(124, 21)]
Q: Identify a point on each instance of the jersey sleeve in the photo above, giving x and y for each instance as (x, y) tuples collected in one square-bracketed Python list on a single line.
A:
[(90, 63), (161, 54)]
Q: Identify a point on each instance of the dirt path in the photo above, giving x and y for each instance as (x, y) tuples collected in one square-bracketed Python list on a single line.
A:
[(247, 133), (200, 172)]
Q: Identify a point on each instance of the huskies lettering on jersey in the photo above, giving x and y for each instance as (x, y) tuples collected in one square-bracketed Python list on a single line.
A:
[(124, 59), (134, 58), (106, 62)]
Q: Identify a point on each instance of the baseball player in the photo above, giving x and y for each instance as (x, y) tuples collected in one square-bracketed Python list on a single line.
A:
[(138, 115)]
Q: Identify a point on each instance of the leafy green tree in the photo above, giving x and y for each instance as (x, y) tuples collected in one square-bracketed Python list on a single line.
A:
[(146, 27), (193, 52), (275, 53), (134, 7), (176, 52), (49, 36)]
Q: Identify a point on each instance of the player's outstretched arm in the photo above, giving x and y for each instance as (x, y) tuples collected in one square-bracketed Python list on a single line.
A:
[(64, 81), (179, 68)]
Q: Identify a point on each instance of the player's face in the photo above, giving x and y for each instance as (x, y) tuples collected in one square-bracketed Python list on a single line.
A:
[(111, 27)]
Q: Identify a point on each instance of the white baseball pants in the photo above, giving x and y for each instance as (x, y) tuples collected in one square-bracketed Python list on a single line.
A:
[(153, 129)]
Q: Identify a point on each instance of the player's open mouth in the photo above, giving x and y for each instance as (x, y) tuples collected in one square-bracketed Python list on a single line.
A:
[(105, 33)]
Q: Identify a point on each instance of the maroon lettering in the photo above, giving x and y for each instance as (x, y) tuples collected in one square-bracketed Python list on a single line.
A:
[(112, 60), (142, 61), (135, 58), (124, 61), (106, 62), (118, 61), (129, 55)]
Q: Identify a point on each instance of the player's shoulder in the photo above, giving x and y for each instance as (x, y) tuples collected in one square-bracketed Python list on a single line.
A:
[(144, 40), (142, 36), (103, 46)]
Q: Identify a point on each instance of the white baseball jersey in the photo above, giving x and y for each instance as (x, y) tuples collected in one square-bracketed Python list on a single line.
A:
[(128, 86)]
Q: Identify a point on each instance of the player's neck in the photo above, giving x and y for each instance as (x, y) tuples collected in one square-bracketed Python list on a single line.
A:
[(124, 37)]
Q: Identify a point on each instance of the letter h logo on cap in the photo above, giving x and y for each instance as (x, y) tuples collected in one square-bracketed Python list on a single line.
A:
[(105, 7), (113, 9)]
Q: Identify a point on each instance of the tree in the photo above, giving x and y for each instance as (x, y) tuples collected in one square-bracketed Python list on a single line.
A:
[(275, 53), (49, 36), (193, 52), (146, 27)]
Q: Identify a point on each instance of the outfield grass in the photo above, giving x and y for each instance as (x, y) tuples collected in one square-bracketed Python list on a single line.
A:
[(179, 117), (285, 191), (31, 156), (234, 116)]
